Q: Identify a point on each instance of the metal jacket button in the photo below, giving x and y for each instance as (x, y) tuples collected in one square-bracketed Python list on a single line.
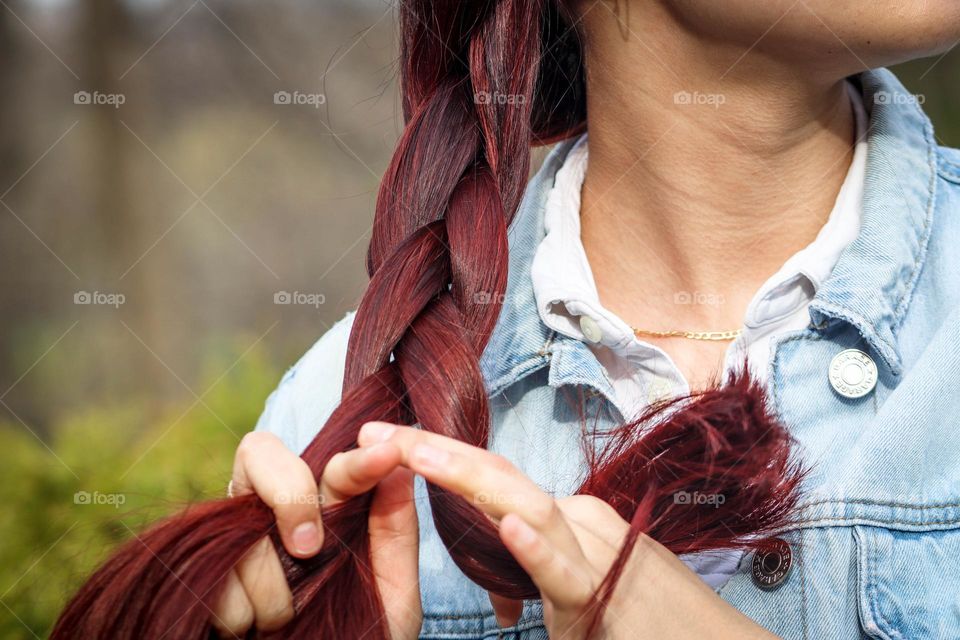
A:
[(853, 374), (771, 563)]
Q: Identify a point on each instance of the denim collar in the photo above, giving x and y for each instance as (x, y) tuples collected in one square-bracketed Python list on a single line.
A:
[(870, 287), (872, 284), (520, 343)]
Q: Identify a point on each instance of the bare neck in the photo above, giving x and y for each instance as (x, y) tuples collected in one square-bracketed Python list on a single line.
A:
[(708, 168)]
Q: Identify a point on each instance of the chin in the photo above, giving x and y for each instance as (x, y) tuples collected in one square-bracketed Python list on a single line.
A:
[(905, 44), (918, 41), (840, 36)]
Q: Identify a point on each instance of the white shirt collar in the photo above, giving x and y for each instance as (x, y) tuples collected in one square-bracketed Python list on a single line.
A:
[(563, 282)]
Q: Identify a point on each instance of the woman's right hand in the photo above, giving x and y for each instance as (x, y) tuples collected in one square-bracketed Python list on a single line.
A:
[(257, 594)]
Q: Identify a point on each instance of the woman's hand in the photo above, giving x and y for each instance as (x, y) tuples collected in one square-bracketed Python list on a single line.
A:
[(257, 593), (568, 545)]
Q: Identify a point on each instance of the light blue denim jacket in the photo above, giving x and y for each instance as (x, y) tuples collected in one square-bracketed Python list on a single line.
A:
[(877, 543)]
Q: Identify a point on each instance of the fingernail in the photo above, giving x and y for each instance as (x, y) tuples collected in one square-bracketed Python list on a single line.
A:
[(379, 431), (306, 538), (429, 457)]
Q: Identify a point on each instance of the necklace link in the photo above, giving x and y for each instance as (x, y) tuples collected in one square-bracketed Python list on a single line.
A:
[(713, 336)]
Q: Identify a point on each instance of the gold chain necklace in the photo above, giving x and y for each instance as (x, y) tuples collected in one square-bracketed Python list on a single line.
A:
[(714, 336)]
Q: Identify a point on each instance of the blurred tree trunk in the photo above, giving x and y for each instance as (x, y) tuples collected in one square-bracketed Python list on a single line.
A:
[(104, 34), (11, 158), (9, 131), (106, 37)]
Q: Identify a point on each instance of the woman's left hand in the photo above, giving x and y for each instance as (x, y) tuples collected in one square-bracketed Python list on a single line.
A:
[(567, 546)]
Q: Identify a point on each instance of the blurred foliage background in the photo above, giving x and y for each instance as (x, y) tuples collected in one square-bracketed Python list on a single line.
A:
[(186, 190)]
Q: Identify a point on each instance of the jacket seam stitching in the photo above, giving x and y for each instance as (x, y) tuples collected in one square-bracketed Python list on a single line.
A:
[(949, 170), (880, 503), (865, 328), (518, 372), (864, 604), (907, 296), (815, 523), (952, 173), (803, 586)]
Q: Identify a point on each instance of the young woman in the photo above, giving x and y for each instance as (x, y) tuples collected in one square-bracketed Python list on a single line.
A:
[(736, 180), (735, 177)]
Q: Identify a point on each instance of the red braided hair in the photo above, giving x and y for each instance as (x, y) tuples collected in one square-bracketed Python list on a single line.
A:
[(437, 256)]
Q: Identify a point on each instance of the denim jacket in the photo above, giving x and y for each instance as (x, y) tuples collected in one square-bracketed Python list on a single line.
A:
[(876, 545)]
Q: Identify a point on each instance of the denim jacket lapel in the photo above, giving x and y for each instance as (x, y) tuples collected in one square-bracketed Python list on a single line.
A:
[(520, 343), (872, 283)]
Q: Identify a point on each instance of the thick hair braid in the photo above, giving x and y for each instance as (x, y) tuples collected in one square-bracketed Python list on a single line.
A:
[(438, 266), (478, 190), (481, 80)]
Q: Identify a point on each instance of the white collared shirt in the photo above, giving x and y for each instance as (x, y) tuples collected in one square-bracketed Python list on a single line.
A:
[(641, 372)]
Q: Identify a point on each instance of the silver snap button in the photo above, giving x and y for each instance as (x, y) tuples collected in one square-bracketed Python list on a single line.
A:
[(853, 374), (772, 562), (590, 328)]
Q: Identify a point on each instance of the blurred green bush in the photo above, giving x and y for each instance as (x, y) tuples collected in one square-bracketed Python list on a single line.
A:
[(108, 471)]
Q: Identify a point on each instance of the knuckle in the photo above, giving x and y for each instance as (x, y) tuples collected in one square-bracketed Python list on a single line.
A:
[(501, 465), (251, 443), (604, 510), (542, 512), (408, 438), (592, 508)]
